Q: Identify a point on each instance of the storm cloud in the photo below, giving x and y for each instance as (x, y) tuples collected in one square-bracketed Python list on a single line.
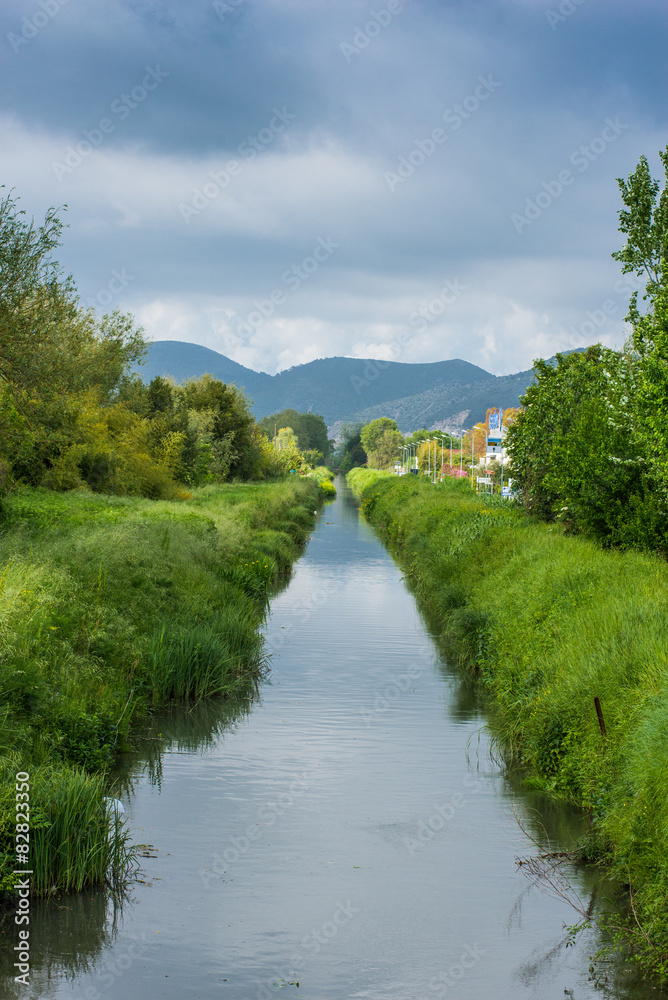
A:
[(283, 180)]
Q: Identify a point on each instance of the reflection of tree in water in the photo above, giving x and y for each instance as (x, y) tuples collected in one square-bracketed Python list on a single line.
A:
[(192, 728), (68, 935)]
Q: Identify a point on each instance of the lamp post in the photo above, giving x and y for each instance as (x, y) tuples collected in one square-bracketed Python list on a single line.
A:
[(472, 440)]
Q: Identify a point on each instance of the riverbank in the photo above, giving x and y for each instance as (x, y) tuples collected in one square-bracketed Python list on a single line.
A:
[(547, 623), (110, 607)]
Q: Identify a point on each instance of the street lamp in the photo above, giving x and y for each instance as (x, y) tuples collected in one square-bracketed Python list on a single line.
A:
[(472, 441), (436, 440)]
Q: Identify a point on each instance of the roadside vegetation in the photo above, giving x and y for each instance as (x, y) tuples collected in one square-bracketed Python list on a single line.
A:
[(547, 622), (143, 528)]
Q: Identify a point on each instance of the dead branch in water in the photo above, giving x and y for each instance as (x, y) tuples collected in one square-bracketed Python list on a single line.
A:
[(545, 871)]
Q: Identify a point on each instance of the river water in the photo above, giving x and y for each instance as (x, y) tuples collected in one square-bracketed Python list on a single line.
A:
[(347, 836)]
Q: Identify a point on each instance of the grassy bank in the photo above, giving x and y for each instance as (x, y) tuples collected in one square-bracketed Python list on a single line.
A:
[(549, 622), (110, 606)]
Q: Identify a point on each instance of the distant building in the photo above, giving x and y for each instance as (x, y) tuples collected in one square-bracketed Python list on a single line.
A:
[(497, 432)]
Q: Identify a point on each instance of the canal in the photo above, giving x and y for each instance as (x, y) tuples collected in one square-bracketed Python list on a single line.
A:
[(347, 835)]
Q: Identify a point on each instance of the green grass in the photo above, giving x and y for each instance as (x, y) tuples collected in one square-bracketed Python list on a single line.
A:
[(110, 607), (547, 622)]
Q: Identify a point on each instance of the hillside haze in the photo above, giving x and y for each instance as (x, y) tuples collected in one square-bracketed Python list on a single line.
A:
[(442, 394)]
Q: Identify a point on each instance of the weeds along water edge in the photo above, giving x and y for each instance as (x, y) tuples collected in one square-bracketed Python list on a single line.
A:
[(111, 607), (547, 623)]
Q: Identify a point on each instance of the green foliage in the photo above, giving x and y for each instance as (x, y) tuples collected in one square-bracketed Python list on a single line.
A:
[(49, 345), (644, 221), (546, 622), (109, 606), (381, 439), (349, 453), (590, 446), (71, 415), (310, 430), (323, 478), (204, 660), (74, 840)]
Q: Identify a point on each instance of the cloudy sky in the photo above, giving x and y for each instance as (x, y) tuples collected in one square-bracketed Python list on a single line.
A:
[(283, 180)]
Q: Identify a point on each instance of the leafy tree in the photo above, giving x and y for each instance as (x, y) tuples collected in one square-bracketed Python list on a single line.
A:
[(350, 454), (309, 428), (227, 424), (644, 220), (550, 409), (381, 440), (49, 345)]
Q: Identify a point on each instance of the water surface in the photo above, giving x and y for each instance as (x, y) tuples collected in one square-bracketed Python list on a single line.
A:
[(349, 834)]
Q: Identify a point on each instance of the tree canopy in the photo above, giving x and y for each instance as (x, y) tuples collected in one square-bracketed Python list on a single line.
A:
[(71, 413), (309, 428), (381, 439), (590, 446)]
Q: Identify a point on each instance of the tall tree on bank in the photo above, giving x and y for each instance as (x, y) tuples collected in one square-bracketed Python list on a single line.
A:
[(590, 446), (644, 221), (381, 439), (49, 345), (309, 428)]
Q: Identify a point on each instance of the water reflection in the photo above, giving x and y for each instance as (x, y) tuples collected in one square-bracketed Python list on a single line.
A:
[(346, 827)]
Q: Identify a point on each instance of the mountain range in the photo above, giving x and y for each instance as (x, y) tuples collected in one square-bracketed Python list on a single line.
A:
[(445, 395)]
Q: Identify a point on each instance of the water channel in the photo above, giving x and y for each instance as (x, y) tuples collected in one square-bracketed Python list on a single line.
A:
[(346, 836)]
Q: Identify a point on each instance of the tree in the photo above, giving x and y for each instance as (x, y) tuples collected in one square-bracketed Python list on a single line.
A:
[(226, 421), (49, 344), (381, 440), (309, 428), (644, 220), (552, 407), (349, 453)]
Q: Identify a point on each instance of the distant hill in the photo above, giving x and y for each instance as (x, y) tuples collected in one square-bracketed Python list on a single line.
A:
[(442, 394)]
